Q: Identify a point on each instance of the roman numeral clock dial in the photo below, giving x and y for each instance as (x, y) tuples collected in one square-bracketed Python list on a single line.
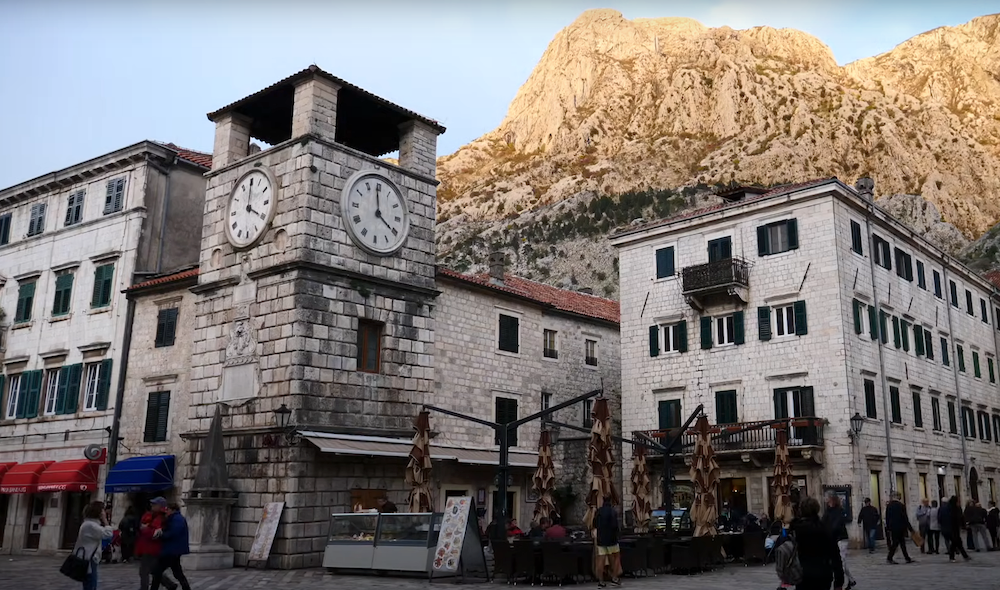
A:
[(374, 212), (250, 208)]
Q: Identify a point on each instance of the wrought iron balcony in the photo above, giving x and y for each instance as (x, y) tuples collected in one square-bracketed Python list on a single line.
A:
[(729, 276), (744, 437)]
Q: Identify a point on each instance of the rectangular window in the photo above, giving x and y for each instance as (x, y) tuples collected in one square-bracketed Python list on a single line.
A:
[(871, 408), (36, 223), (968, 423), (784, 321), (74, 208), (992, 369), (859, 321), (104, 276), (665, 262), (166, 328), (904, 265), (157, 416), (93, 384), (936, 413), (904, 331), (918, 412), (937, 285), (588, 413), (896, 340), (984, 426), (857, 242), (897, 412), (720, 249), (725, 407), (590, 352), (996, 427), (929, 344), (872, 322), (778, 237), (968, 303), (25, 301), (725, 330), (669, 412), (51, 391), (549, 349), (882, 251), (945, 358), (369, 345), (506, 412), (975, 365), (509, 337), (5, 229), (921, 276), (15, 401), (883, 322), (675, 337), (546, 403), (64, 294), (954, 293), (952, 418), (68, 394), (114, 199), (960, 353), (984, 314)]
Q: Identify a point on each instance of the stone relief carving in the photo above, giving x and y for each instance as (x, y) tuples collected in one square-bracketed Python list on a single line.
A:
[(242, 347)]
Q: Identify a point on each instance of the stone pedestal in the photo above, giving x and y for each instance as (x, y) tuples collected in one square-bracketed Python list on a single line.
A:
[(208, 524)]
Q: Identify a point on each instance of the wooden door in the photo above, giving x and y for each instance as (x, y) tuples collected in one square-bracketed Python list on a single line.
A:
[(36, 515), (73, 517)]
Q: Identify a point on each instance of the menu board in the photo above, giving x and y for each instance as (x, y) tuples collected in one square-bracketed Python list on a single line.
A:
[(459, 549), (266, 529)]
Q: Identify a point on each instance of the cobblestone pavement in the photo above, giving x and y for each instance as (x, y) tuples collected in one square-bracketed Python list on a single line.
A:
[(932, 572)]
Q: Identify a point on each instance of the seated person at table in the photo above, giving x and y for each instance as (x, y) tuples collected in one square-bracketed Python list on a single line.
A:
[(513, 530), (538, 529), (556, 531)]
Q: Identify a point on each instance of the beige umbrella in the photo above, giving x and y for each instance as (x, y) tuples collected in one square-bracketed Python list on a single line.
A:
[(642, 508), (705, 477), (782, 481), (544, 480), (602, 462), (418, 470)]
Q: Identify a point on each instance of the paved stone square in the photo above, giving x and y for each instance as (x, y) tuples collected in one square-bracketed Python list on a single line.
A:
[(928, 573)]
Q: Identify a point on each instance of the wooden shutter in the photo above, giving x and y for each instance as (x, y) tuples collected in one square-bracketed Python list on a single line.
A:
[(872, 322), (509, 333), (961, 358), (904, 332), (69, 210), (918, 340), (95, 299), (975, 365), (119, 194), (668, 414), (104, 384), (665, 262), (74, 373), (871, 408), (858, 323), (928, 344), (22, 394), (706, 333), (921, 275), (681, 333), (918, 414), (897, 414), (162, 416), (792, 227), (654, 341), (764, 322), (725, 407), (152, 408), (511, 417), (64, 289), (883, 322), (61, 390), (25, 300), (806, 403), (166, 327), (763, 247), (34, 381), (780, 404), (944, 353), (856, 237), (896, 341), (989, 365), (738, 328), (801, 323)]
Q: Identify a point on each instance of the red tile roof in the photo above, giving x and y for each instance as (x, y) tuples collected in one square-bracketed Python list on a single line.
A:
[(200, 158), (172, 278), (547, 295), (993, 276)]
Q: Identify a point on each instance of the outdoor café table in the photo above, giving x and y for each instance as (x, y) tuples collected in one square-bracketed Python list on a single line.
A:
[(733, 544)]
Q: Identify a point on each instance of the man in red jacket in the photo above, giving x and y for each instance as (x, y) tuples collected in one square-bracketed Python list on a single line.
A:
[(147, 545)]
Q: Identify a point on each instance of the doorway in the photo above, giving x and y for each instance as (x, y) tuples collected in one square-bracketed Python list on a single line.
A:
[(36, 516), (974, 484), (4, 505), (73, 517), (511, 505), (733, 499)]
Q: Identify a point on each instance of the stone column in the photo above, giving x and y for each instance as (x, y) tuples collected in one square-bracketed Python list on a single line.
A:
[(418, 148), (209, 504), (232, 139), (314, 111)]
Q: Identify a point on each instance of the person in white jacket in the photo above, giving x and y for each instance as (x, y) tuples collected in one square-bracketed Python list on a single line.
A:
[(92, 532)]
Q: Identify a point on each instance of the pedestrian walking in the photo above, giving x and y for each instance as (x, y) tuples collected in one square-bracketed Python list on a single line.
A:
[(128, 527), (817, 550), (899, 527), (93, 532), (933, 529), (835, 520), (924, 522), (147, 546), (869, 519), (975, 517), (993, 522), (607, 555), (953, 522), (175, 543)]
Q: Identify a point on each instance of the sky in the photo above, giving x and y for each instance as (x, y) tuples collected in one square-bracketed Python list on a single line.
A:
[(81, 79)]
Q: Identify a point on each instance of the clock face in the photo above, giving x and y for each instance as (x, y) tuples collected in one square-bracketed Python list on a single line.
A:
[(250, 209), (374, 212)]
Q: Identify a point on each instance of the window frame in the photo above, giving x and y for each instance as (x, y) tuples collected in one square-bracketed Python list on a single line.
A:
[(857, 239), (726, 323), (91, 386), (668, 264), (676, 405), (501, 315), (904, 264), (366, 328), (936, 423), (871, 402), (74, 208), (161, 407), (784, 233), (114, 197), (970, 307), (921, 275), (51, 391), (512, 436), (14, 393), (166, 319), (36, 219), (952, 418), (882, 250), (588, 411), (23, 313), (784, 326), (730, 397), (550, 352), (896, 405), (918, 410), (953, 292), (104, 286), (984, 311), (938, 288), (62, 299), (6, 220), (672, 338), (590, 352)]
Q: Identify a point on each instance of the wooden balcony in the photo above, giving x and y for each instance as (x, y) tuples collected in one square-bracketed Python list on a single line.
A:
[(722, 279), (751, 437)]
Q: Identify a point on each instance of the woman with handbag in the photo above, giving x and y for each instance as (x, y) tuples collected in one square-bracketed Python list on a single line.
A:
[(93, 531)]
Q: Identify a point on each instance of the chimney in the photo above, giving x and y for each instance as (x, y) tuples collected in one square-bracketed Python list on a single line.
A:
[(866, 188), (740, 193), (498, 260)]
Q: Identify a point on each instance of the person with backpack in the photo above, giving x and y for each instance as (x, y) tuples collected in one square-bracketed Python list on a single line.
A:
[(810, 559)]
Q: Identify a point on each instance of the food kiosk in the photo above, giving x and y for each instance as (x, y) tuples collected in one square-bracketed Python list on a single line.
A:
[(388, 542)]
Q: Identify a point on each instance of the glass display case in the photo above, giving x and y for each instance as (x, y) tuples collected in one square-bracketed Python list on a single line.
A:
[(351, 541), (382, 542)]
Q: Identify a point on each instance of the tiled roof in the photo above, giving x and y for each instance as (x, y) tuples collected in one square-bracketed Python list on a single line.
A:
[(787, 188), (561, 299), (199, 158), (172, 278), (993, 276)]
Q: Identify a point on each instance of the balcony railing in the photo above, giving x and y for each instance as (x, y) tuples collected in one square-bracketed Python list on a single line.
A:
[(719, 275), (751, 436)]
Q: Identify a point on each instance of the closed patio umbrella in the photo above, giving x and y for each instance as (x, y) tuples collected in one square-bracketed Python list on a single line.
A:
[(602, 462), (544, 480), (418, 470), (781, 483), (642, 508), (705, 477)]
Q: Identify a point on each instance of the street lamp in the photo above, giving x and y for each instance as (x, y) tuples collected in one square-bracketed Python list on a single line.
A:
[(857, 422), (282, 417)]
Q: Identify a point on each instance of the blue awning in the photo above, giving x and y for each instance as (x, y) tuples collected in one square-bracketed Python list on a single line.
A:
[(141, 474)]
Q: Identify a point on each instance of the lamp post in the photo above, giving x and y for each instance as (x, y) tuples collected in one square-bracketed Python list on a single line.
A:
[(282, 417)]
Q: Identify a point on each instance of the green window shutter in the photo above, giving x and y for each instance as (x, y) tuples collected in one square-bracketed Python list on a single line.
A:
[(34, 392), (858, 323), (872, 322), (706, 333), (793, 234), (918, 340), (104, 385), (738, 327), (944, 353), (763, 248), (904, 331), (95, 299), (780, 404), (894, 400), (975, 365), (25, 300), (682, 336), (103, 283), (896, 340), (801, 323), (871, 408), (806, 402), (725, 407), (989, 365), (928, 344), (61, 390), (883, 322), (665, 262), (22, 394), (856, 238), (73, 377), (654, 341), (961, 359), (764, 322), (918, 414), (64, 288), (152, 408), (162, 416)]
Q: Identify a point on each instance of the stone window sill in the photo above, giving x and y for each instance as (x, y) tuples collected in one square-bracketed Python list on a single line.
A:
[(897, 425), (60, 318), (23, 325), (97, 310)]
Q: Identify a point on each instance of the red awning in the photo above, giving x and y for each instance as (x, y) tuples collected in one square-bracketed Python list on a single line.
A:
[(23, 477), (4, 467), (78, 475)]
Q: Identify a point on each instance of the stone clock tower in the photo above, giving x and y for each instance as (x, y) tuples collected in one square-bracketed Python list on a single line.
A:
[(315, 291)]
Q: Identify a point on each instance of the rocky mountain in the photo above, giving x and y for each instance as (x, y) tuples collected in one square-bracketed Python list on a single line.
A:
[(635, 107)]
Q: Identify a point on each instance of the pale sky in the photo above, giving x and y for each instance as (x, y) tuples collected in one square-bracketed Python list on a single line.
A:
[(80, 79)]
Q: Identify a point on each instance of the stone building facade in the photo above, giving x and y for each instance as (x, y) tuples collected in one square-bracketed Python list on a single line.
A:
[(810, 303), (70, 241)]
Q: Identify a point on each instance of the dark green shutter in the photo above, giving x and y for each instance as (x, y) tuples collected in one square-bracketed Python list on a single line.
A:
[(975, 365), (856, 238), (152, 408), (104, 385), (725, 407), (74, 375), (897, 414), (929, 344), (793, 234), (961, 359), (780, 404), (22, 394), (993, 375), (25, 299), (763, 248), (872, 322), (883, 322), (944, 352), (918, 414), (654, 340), (64, 288), (665, 262), (918, 340), (858, 323), (706, 333), (801, 324), (904, 331), (897, 342), (61, 390), (764, 322), (681, 334), (163, 415), (871, 408), (738, 327), (34, 393), (806, 402)]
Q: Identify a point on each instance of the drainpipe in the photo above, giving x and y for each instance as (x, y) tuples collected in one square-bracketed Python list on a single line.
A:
[(954, 373)]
